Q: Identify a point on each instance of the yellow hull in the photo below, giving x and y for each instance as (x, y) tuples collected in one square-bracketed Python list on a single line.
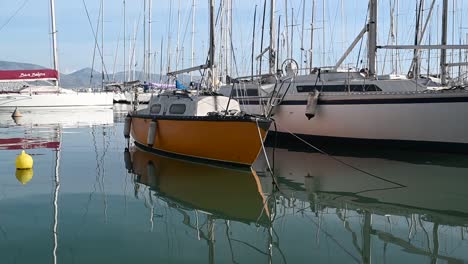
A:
[(231, 140), (227, 193)]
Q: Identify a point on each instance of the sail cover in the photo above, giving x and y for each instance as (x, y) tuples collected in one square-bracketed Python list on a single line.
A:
[(28, 75)]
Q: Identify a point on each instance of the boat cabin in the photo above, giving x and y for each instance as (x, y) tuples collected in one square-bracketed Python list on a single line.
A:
[(184, 103)]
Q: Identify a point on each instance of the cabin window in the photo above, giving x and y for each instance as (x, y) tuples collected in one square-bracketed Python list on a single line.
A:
[(177, 109), (155, 109), (338, 88), (244, 92)]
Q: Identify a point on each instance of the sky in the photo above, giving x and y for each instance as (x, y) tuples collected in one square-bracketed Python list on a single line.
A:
[(25, 31)]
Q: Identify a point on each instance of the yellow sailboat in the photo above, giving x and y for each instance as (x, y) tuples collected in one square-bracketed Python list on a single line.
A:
[(199, 124)]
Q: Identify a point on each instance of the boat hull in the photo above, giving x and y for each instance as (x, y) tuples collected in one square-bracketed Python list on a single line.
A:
[(230, 140), (54, 100), (423, 118)]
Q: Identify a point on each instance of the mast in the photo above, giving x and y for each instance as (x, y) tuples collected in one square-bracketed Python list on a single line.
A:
[(193, 39), (161, 61), (102, 44), (211, 63), (417, 36), (302, 35), (261, 38), (54, 39), (178, 38), (312, 24), (443, 52), (149, 39), (253, 44), (372, 38), (145, 66), (286, 30), (272, 53), (124, 45)]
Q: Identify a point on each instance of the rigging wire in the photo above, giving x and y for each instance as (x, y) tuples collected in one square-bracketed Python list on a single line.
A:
[(95, 38), (14, 14), (342, 162)]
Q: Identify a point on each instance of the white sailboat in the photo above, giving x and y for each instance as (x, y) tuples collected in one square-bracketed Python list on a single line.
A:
[(46, 95), (356, 106)]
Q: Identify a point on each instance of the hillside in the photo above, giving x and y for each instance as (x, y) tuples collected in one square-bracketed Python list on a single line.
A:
[(82, 78)]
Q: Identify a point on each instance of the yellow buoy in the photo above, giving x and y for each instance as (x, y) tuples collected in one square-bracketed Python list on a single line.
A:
[(24, 161), (24, 176)]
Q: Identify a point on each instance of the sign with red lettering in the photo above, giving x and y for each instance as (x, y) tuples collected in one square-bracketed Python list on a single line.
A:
[(28, 75)]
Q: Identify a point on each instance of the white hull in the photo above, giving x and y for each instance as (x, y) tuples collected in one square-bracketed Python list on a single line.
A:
[(53, 100), (408, 117), (128, 97)]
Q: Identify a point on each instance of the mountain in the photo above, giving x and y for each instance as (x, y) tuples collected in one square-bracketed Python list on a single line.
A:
[(82, 78), (9, 65)]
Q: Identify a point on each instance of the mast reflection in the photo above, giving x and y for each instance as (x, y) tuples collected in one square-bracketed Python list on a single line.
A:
[(407, 205), (218, 194)]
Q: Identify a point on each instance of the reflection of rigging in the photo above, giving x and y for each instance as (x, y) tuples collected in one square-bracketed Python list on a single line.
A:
[(56, 194), (320, 202), (204, 196), (100, 168), (430, 198)]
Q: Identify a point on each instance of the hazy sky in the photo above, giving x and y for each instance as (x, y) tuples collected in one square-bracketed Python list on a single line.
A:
[(25, 27)]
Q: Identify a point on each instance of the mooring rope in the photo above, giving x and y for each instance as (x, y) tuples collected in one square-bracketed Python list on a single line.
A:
[(343, 162)]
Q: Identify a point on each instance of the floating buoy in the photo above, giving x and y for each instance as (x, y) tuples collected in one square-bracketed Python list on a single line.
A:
[(151, 133), (24, 161), (127, 126), (24, 176), (312, 102), (16, 113)]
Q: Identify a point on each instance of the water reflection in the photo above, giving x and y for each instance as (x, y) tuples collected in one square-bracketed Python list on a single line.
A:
[(89, 198), (214, 194), (380, 204)]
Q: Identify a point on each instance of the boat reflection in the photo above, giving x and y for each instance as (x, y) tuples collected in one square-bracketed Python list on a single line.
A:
[(67, 118), (215, 194), (223, 193), (381, 202)]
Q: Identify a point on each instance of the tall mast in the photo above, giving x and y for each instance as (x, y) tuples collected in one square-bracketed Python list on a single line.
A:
[(272, 53), (145, 66), (312, 24), (211, 62), (124, 44), (261, 38), (149, 39), (102, 44), (286, 30), (302, 35), (54, 38), (443, 52), (253, 44), (372, 38), (161, 61), (178, 38), (193, 39)]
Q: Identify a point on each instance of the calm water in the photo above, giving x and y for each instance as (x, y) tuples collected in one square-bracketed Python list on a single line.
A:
[(89, 202)]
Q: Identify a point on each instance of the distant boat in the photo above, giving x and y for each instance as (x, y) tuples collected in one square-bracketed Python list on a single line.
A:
[(27, 95)]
